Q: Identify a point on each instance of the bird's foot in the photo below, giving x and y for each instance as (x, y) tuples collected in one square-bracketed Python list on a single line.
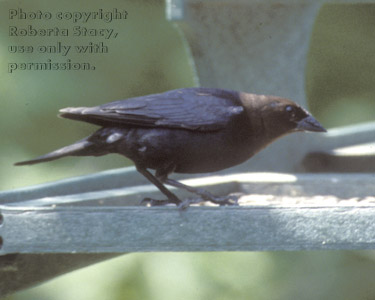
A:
[(188, 201)]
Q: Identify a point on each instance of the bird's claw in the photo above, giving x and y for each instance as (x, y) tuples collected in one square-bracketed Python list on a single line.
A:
[(188, 201)]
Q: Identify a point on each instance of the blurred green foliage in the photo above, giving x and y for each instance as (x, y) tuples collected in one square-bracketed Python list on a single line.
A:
[(340, 78), (149, 57), (223, 276)]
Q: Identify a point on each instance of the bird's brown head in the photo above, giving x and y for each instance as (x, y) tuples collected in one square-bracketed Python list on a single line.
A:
[(279, 116)]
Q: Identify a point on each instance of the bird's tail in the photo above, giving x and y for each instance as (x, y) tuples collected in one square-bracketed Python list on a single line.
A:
[(80, 148)]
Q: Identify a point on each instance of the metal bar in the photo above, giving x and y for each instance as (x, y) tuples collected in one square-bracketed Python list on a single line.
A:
[(140, 229)]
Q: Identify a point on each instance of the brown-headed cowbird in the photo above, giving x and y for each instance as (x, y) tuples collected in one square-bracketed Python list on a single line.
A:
[(191, 130)]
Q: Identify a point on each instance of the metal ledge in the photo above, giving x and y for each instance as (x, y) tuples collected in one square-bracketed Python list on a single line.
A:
[(277, 212), (130, 229)]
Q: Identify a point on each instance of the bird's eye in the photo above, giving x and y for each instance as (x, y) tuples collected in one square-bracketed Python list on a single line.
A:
[(291, 111)]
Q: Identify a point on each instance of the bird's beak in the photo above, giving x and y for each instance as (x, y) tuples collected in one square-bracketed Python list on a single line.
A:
[(310, 124)]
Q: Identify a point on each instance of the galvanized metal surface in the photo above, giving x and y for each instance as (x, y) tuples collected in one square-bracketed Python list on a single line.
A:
[(277, 212), (102, 230)]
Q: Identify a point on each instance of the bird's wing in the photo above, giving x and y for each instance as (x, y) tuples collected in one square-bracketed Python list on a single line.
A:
[(192, 108)]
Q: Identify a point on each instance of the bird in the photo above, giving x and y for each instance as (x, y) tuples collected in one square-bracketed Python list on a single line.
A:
[(188, 130)]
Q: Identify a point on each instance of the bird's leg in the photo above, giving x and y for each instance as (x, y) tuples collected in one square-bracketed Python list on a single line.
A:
[(172, 198), (226, 200)]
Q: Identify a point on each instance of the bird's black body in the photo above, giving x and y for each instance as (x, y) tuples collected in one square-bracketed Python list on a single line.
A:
[(192, 130)]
